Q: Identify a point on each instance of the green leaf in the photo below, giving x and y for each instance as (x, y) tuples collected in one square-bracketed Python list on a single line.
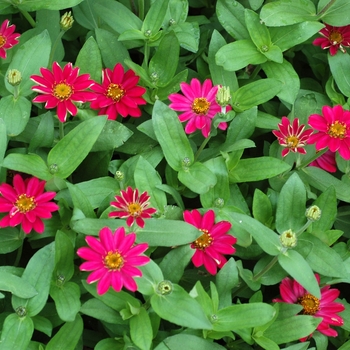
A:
[(151, 276), (218, 74), (105, 41), (181, 309), (337, 14), (256, 169), (38, 273), (16, 285), (27, 163), (34, 5), (290, 213), (188, 35), (67, 300), (285, 73), (262, 207), (231, 16), (292, 328), (141, 330), (299, 269), (70, 151), (147, 179), (198, 178), (267, 239), (15, 113), (257, 30), (285, 12), (243, 316), (68, 335), (89, 59), (266, 343), (16, 332), (43, 325), (340, 65), (154, 17), (80, 201), (165, 61), (10, 240), (255, 93), (44, 134), (171, 136), (239, 54)]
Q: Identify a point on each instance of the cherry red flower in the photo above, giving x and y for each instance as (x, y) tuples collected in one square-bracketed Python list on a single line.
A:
[(198, 104), (325, 307), (113, 258), (133, 207), (61, 87), (8, 37), (333, 130), (118, 93), (292, 136), (326, 162), (214, 241), (26, 203), (334, 38)]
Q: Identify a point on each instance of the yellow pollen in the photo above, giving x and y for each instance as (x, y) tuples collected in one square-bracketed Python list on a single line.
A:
[(204, 241), (25, 203), (200, 105), (113, 261), (337, 129), (292, 141), (134, 209), (62, 91), (2, 40), (115, 92), (335, 37), (310, 304)]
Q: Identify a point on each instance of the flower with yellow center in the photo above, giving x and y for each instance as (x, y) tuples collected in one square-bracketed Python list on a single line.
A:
[(24, 204), (200, 105), (62, 91), (204, 241), (309, 303), (113, 260), (115, 92), (337, 129)]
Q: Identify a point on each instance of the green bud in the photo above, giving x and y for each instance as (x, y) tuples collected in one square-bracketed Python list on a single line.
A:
[(67, 21), (288, 239), (223, 96), (164, 288), (313, 213), (14, 77), (119, 175), (21, 311)]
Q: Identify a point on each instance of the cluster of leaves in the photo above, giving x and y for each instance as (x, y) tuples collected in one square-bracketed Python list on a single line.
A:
[(262, 51)]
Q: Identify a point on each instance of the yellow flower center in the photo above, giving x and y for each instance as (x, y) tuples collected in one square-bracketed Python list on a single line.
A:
[(200, 105), (114, 261), (337, 129), (310, 304), (292, 141), (204, 241), (62, 91), (2, 40), (335, 37), (134, 209), (115, 92), (25, 203)]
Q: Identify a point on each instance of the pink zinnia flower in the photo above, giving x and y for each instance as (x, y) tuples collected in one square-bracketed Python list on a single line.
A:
[(334, 38), (326, 162), (113, 258), (292, 136), (334, 130), (119, 93), (326, 308), (199, 105), (61, 87), (7, 37), (132, 206), (26, 204), (214, 241)]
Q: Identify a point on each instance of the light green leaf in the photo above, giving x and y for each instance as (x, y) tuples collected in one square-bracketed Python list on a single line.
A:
[(155, 16), (337, 14), (340, 65), (141, 330), (34, 5), (16, 285)]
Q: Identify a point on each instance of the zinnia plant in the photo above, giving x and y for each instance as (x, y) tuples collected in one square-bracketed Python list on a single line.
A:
[(118, 93), (326, 307), (59, 88), (214, 242), (113, 259), (26, 203)]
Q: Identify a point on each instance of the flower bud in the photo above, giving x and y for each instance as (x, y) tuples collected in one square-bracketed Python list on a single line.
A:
[(164, 288), (313, 213), (119, 175), (21, 311), (223, 96), (14, 77), (288, 239), (67, 21)]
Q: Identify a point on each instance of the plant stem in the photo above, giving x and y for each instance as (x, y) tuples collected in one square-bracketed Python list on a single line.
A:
[(54, 47), (326, 8), (200, 149), (265, 269), (318, 154), (61, 130), (29, 18), (141, 5), (299, 232), (20, 249)]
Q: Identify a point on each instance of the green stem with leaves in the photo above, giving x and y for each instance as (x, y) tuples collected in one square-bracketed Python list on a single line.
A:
[(29, 18)]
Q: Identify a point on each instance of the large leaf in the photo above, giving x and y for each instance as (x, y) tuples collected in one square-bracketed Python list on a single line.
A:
[(335, 14), (340, 65), (16, 285), (34, 5)]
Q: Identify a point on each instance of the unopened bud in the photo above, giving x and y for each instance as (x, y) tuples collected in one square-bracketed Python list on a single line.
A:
[(21, 311), (14, 77), (67, 21), (119, 175), (165, 287), (313, 213), (288, 239), (223, 96)]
